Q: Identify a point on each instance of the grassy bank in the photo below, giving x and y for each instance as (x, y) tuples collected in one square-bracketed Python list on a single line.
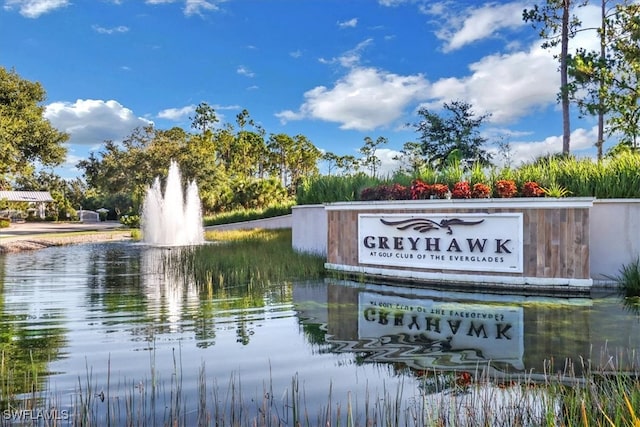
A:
[(600, 398)]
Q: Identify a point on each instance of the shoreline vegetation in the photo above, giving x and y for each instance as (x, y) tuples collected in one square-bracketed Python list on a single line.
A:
[(40, 241), (456, 398)]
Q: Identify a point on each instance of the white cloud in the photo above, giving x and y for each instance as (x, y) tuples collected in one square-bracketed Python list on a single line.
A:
[(351, 57), (103, 30), (196, 7), (351, 23), (244, 71), (191, 7), (589, 15), (507, 86), (391, 3), (177, 114), (582, 140), (68, 168), (35, 8), (364, 99), (388, 165), (459, 29), (289, 116), (92, 121)]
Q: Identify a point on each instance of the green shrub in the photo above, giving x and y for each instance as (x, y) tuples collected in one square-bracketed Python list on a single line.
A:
[(5, 222), (629, 278), (241, 215), (136, 234), (132, 221)]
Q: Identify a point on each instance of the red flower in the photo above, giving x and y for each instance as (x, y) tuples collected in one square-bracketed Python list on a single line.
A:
[(480, 191), (385, 192), (506, 188), (440, 190), (420, 190), (532, 189), (463, 379), (461, 190)]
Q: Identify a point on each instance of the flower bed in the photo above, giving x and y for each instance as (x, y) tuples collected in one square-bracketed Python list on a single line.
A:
[(421, 190)]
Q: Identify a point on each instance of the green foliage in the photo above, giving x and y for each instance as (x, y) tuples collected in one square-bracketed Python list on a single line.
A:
[(246, 257), (233, 166), (612, 398), (328, 189), (26, 137), (621, 98), (5, 222), (132, 221), (256, 193), (457, 131), (561, 176), (555, 190), (629, 278), (136, 234), (241, 215), (451, 173)]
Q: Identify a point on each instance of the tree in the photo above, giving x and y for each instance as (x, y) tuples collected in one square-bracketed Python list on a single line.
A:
[(556, 27), (505, 152), (368, 150), (205, 118), (332, 161), (605, 82), (281, 147), (410, 157), (347, 163), (291, 158), (591, 75), (248, 151), (26, 137), (623, 100), (458, 130), (304, 161)]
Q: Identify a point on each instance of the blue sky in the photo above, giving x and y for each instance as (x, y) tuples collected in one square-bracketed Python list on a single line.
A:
[(335, 71)]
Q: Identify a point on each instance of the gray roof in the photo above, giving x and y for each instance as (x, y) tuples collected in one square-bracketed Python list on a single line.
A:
[(26, 196)]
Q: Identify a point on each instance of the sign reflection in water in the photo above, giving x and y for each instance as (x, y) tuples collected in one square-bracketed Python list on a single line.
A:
[(425, 333), (439, 330)]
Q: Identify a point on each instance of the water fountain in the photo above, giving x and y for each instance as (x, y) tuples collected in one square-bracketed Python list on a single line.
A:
[(169, 219)]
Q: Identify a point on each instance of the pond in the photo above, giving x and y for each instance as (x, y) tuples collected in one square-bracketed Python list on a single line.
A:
[(103, 331)]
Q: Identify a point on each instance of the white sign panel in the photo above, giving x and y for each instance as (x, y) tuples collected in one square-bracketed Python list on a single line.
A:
[(467, 332), (471, 242)]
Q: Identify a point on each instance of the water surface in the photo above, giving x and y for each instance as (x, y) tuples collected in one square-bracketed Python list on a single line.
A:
[(110, 319)]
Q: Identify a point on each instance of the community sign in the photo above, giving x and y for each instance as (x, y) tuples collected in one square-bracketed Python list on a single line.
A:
[(471, 242)]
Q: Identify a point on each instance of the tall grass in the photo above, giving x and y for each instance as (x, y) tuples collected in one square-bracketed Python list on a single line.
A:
[(629, 279), (601, 398), (615, 177), (608, 398), (332, 188), (242, 257)]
